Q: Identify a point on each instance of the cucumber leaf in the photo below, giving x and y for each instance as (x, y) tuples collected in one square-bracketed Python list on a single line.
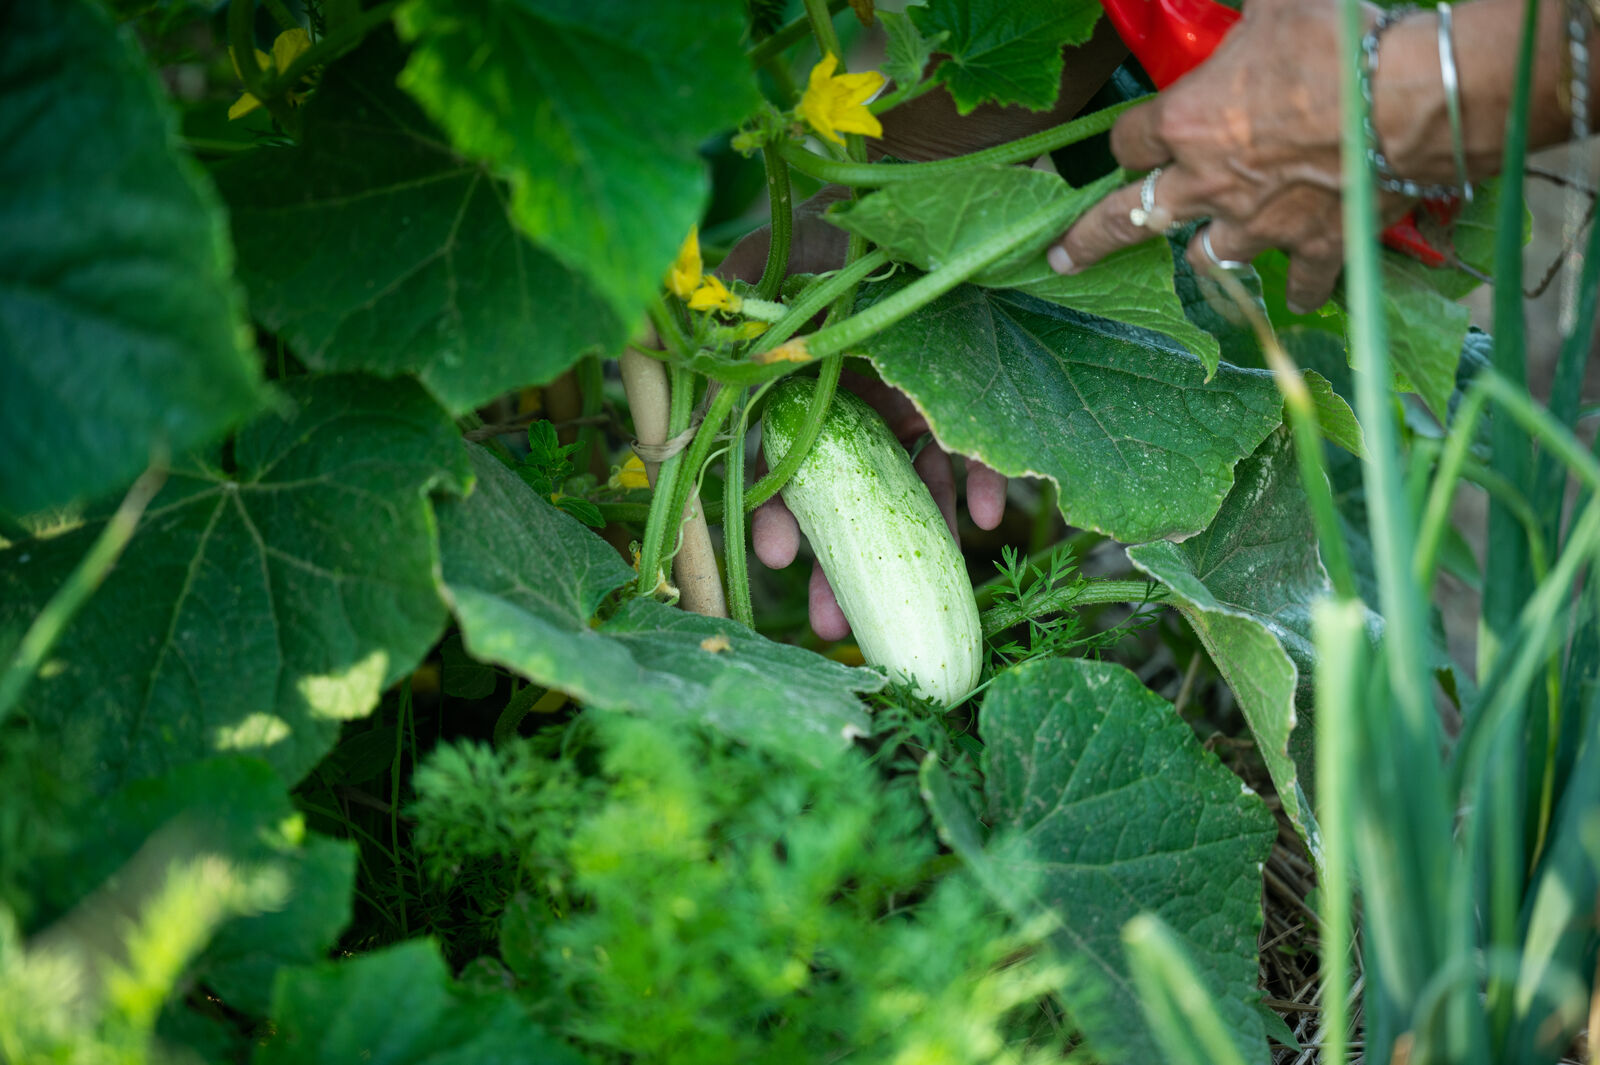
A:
[(1103, 805), (399, 1006), (371, 246), (1246, 585), (1005, 51), (237, 808), (929, 221), (525, 581), (253, 611), (121, 331), (1139, 443), (596, 113)]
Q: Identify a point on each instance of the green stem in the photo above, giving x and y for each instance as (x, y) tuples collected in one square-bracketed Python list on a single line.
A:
[(242, 42), (591, 375), (786, 36), (820, 14), (1436, 515), (821, 398), (1341, 641), (76, 590), (661, 513), (819, 297), (1017, 151), (778, 195), (339, 40), (1095, 593), (1048, 221), (1044, 519), (694, 458), (281, 15), (733, 528)]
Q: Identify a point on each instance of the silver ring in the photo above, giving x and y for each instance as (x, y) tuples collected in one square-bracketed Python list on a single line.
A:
[(1147, 200), (1211, 253)]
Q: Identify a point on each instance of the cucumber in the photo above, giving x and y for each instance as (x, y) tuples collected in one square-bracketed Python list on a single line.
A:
[(893, 565)]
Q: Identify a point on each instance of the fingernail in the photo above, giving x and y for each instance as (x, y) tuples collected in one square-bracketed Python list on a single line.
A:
[(1059, 260), (1295, 308)]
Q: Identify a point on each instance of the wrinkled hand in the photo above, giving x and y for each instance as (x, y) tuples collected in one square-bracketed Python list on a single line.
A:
[(1249, 139), (774, 533)]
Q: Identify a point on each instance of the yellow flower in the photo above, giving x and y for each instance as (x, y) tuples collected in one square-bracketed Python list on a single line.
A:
[(684, 277), (290, 45), (834, 105), (795, 350), (713, 295), (632, 474)]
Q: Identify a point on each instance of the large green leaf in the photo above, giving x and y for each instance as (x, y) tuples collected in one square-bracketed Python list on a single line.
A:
[(595, 111), (525, 580), (1140, 444), (1005, 51), (254, 611), (399, 1007), (1104, 806), (371, 246), (120, 329), (1246, 584), (930, 221), (237, 808)]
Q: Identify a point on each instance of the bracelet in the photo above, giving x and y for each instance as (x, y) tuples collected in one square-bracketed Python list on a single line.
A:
[(1387, 179), (1452, 98)]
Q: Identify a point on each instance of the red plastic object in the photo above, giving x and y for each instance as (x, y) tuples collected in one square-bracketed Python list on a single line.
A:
[(1172, 37)]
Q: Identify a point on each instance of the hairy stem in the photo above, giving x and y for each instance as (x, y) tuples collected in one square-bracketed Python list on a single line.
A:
[(778, 193), (1017, 151), (76, 590), (1095, 593)]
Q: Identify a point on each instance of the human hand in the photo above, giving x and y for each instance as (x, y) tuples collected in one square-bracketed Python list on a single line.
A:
[(1251, 138)]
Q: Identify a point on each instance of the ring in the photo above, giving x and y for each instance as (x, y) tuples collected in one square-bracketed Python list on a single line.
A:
[(1211, 253), (1147, 200)]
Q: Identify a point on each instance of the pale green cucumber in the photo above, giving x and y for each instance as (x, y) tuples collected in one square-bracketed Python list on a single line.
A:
[(893, 565)]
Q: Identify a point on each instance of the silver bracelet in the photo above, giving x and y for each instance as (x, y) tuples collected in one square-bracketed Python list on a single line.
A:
[(1387, 179), (1452, 98)]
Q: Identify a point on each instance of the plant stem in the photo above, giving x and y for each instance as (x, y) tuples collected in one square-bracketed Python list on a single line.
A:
[(281, 15), (339, 40), (1307, 436), (661, 513), (1095, 593), (733, 529), (1051, 219), (695, 456), (76, 589), (820, 14), (1341, 664), (782, 233), (789, 34), (821, 398), (817, 298), (1017, 151)]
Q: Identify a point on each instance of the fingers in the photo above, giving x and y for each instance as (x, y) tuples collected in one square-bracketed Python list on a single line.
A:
[(986, 495), (774, 534), (827, 620), (1108, 226), (933, 466), (1311, 281), (1136, 138), (1229, 244)]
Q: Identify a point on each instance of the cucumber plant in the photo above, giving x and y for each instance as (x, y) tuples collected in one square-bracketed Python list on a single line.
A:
[(349, 708)]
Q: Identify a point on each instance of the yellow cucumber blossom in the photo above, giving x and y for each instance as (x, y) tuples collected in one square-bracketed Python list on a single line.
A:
[(684, 277), (632, 474), (834, 104), (290, 45), (713, 295)]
